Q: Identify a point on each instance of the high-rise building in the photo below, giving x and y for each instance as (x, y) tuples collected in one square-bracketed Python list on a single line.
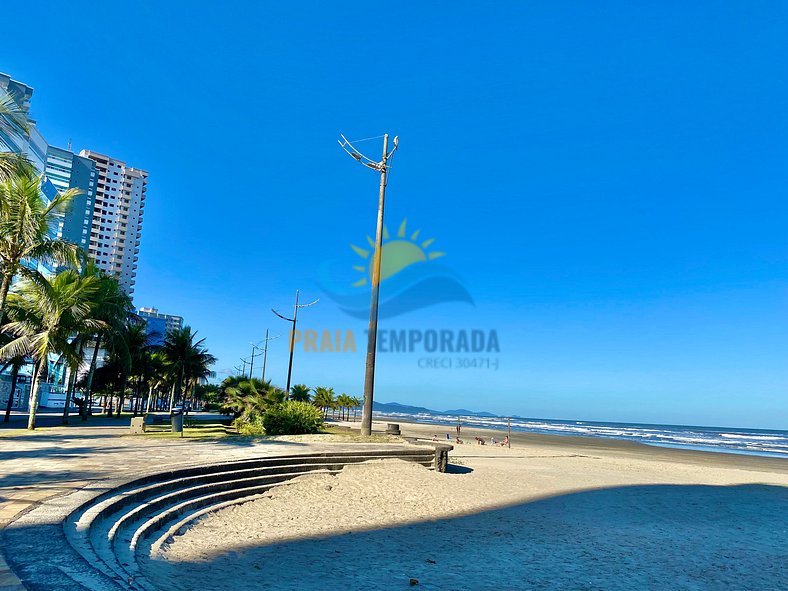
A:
[(116, 227), (66, 170), (158, 325), (33, 145)]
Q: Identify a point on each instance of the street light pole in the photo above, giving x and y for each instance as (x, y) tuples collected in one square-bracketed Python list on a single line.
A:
[(265, 353), (294, 320), (369, 375)]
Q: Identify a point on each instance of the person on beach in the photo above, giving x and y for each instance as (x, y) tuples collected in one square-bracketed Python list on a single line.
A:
[(505, 441), (492, 440)]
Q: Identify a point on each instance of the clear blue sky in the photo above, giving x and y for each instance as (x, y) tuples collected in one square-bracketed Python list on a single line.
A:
[(609, 180)]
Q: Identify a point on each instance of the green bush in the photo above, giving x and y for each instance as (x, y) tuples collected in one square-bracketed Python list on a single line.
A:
[(251, 424), (292, 418)]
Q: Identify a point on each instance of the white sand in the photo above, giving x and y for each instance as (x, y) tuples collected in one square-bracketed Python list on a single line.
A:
[(377, 525)]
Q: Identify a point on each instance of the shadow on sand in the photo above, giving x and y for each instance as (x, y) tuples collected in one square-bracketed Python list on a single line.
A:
[(640, 537)]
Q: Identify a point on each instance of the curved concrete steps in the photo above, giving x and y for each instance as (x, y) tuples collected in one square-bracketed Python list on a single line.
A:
[(113, 530)]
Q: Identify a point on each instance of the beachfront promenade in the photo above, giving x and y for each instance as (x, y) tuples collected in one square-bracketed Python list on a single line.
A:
[(54, 462)]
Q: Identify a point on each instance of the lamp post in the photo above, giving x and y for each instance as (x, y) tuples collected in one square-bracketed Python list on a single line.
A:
[(383, 168), (294, 319), (265, 352)]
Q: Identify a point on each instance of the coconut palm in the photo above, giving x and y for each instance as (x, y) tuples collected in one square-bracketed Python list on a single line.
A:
[(324, 398), (198, 370), (190, 360), (112, 306), (356, 403), (140, 348), (344, 402), (25, 219), (44, 317), (159, 378), (300, 393)]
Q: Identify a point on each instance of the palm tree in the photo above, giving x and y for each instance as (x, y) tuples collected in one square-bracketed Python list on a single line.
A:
[(25, 219), (356, 403), (300, 392), (344, 402), (113, 307), (159, 376), (198, 369), (44, 316), (324, 398), (14, 125), (245, 397), (189, 359), (139, 347)]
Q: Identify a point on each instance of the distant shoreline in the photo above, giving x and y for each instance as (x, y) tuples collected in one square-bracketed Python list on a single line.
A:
[(751, 442), (585, 445)]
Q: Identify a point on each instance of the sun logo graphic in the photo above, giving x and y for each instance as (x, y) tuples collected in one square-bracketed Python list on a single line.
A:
[(410, 277)]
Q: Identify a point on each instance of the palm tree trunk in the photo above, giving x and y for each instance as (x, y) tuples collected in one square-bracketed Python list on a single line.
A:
[(14, 374), (39, 369), (172, 396), (122, 395), (89, 385), (138, 396), (72, 380), (4, 286), (151, 398)]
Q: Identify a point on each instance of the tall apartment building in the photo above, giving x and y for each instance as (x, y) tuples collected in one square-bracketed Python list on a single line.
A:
[(116, 226), (158, 325)]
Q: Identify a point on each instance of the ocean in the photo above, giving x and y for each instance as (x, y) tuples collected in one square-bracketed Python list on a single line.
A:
[(761, 442)]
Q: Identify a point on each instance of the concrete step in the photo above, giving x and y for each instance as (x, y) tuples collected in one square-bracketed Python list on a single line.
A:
[(114, 528)]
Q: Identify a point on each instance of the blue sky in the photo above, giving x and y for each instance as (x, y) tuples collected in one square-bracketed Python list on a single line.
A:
[(608, 180)]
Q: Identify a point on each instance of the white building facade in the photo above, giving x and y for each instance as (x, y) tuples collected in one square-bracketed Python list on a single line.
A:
[(116, 228)]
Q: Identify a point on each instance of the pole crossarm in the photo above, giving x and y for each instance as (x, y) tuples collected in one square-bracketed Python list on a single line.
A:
[(366, 161), (294, 320)]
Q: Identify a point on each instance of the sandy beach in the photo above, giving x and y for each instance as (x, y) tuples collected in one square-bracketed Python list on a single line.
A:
[(549, 513)]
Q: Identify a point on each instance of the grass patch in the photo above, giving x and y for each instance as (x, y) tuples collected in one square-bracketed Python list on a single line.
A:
[(196, 430)]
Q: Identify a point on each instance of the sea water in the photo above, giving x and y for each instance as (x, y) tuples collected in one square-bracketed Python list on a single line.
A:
[(762, 442)]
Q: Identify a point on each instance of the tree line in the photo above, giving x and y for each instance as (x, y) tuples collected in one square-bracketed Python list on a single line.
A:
[(78, 309)]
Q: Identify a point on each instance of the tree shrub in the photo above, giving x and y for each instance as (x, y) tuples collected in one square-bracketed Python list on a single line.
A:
[(250, 424), (292, 418)]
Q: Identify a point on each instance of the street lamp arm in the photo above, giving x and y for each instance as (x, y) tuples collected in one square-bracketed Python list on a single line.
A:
[(282, 317), (307, 305)]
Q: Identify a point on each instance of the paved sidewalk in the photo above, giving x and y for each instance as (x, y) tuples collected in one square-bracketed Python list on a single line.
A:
[(52, 461)]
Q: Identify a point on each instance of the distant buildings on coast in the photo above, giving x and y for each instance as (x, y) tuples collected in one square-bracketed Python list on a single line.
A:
[(158, 324)]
